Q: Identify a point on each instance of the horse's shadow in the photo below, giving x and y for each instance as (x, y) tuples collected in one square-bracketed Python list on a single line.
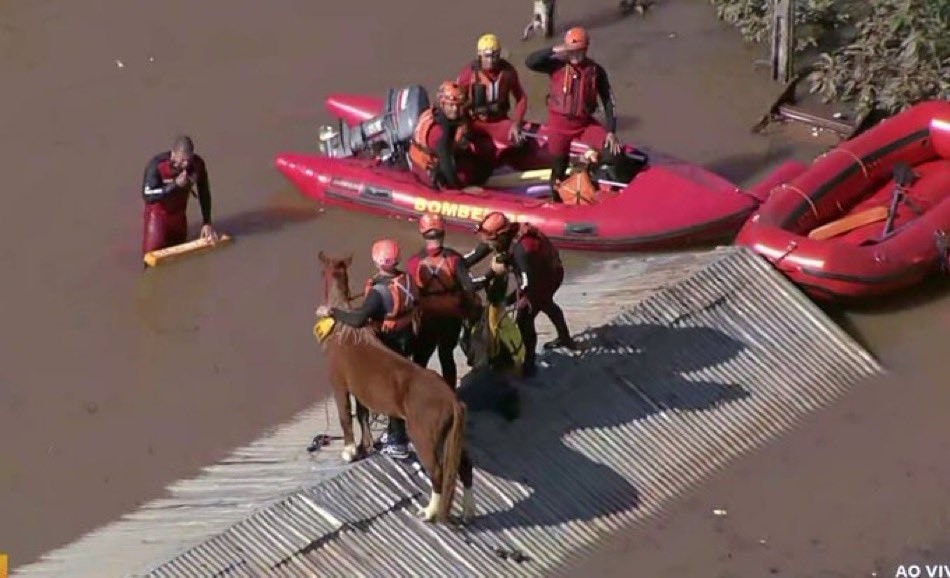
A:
[(626, 374)]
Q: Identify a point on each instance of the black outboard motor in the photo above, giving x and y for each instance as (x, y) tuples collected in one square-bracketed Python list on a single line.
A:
[(386, 135)]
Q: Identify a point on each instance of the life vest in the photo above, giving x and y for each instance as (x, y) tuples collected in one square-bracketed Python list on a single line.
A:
[(573, 90), (497, 91), (403, 312), (420, 155), (439, 291), (577, 189)]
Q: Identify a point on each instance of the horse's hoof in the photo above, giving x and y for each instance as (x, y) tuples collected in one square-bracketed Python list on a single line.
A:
[(349, 453), (432, 510)]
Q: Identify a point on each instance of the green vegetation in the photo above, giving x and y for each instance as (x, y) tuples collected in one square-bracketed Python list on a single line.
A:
[(874, 54)]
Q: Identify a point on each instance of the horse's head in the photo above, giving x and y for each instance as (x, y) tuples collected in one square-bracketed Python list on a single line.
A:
[(336, 280)]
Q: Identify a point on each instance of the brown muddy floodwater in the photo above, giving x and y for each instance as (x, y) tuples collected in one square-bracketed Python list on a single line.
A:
[(115, 382)]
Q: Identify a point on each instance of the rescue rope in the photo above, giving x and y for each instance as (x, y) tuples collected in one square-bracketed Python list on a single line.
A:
[(323, 439)]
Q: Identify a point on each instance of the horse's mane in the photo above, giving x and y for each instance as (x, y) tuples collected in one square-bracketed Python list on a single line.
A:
[(363, 335)]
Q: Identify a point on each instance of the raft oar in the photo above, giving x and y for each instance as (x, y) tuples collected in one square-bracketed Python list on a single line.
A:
[(848, 223)]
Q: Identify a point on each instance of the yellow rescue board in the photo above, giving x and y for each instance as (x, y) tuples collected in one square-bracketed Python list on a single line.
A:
[(153, 258), (848, 223)]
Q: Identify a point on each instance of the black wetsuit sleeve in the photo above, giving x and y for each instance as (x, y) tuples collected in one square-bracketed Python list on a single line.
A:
[(372, 309), (477, 254), (445, 152), (607, 97), (464, 277), (153, 189), (522, 268), (204, 195), (543, 61)]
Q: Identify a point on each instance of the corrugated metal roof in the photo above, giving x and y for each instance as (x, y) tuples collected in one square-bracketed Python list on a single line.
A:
[(276, 465), (721, 355)]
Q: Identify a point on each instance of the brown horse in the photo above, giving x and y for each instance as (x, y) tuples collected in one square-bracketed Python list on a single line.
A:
[(387, 383)]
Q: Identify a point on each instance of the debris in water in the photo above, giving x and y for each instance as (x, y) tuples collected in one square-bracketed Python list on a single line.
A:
[(838, 115), (672, 35), (762, 541), (151, 59), (119, 63), (720, 512)]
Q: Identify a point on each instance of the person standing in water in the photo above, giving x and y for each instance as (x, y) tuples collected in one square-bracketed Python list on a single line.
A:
[(171, 177)]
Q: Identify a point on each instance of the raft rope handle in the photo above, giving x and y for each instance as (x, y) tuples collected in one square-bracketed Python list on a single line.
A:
[(857, 159), (792, 245), (811, 203)]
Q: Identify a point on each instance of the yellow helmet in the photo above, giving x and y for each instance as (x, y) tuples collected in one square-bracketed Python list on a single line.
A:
[(488, 44)]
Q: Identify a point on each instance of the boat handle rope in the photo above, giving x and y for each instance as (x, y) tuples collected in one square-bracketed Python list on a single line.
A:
[(792, 245), (801, 193), (857, 159)]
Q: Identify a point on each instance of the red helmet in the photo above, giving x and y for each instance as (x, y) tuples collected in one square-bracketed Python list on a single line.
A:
[(431, 222), (451, 92), (386, 253), (493, 225), (576, 39)]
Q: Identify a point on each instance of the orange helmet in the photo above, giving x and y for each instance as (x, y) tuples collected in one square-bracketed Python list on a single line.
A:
[(386, 253), (493, 225), (450, 91), (431, 222), (576, 39)]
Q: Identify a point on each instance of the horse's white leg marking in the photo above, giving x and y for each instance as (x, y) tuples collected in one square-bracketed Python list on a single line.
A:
[(468, 504), (433, 508), (349, 452)]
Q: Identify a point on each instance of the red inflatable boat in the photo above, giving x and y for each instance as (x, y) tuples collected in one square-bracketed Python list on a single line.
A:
[(361, 165), (868, 217)]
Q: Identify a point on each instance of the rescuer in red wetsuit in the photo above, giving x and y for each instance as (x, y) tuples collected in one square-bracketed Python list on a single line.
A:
[(522, 249), (576, 84), (444, 152), (446, 296), (490, 83), (170, 178)]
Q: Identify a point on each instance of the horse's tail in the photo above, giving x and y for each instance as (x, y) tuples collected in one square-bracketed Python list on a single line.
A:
[(451, 457)]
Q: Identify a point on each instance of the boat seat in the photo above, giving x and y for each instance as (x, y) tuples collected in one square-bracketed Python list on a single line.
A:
[(848, 223)]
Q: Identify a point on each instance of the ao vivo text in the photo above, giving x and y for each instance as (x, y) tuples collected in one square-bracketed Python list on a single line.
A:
[(923, 571)]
